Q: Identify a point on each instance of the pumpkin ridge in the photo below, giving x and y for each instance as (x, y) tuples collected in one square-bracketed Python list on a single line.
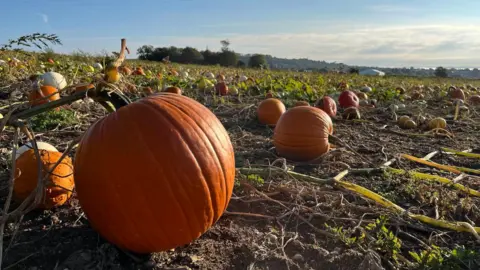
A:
[(141, 135), (139, 230), (174, 123), (111, 187), (221, 164)]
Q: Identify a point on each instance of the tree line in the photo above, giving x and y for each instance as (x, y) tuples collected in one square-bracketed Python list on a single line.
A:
[(188, 55)]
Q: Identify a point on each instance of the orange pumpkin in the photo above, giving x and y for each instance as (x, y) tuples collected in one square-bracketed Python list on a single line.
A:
[(130, 87), (221, 77), (457, 93), (139, 71), (147, 90), (221, 88), (125, 70), (269, 111), (328, 105), (301, 103), (348, 99), (302, 133), (174, 89), (175, 188), (57, 187), (36, 99)]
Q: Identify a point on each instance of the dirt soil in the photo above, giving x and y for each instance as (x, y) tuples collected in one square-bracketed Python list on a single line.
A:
[(277, 223)]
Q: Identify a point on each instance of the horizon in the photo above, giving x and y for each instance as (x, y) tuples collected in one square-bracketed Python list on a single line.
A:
[(374, 34)]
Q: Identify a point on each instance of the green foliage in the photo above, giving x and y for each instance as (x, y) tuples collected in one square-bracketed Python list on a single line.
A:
[(386, 241), (257, 180), (344, 235), (53, 119), (37, 40), (446, 259)]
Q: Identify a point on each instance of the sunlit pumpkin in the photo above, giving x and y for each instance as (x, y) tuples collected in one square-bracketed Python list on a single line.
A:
[(270, 110), (221, 88), (220, 77), (328, 105), (156, 174), (139, 71), (58, 186), (361, 95), (174, 90), (437, 123), (125, 70), (35, 97), (348, 99), (302, 133)]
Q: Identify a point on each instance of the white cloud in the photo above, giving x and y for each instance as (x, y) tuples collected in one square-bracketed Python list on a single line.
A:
[(409, 45), (44, 17)]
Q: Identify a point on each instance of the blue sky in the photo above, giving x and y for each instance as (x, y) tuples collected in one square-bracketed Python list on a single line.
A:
[(370, 32)]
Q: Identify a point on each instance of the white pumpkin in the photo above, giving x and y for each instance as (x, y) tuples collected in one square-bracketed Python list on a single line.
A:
[(184, 74), (98, 66), (41, 146), (366, 89), (3, 63), (210, 75), (54, 79), (401, 106), (243, 78)]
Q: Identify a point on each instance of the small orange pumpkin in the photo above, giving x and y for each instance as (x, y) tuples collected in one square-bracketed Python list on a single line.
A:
[(125, 70), (221, 77), (174, 89), (184, 169), (221, 88), (270, 110), (131, 87), (36, 99), (302, 133), (139, 71), (269, 94), (58, 186), (328, 105)]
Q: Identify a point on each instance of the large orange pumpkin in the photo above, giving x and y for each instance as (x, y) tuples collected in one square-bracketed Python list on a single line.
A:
[(156, 174), (58, 186), (328, 105), (36, 99), (270, 110), (302, 133)]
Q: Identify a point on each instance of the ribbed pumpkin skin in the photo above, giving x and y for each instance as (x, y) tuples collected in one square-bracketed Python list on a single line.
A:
[(328, 105), (27, 177), (348, 99), (156, 174), (174, 90), (270, 110), (302, 133)]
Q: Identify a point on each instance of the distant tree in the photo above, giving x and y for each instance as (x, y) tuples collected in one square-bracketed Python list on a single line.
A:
[(441, 72), (225, 43), (240, 64), (353, 70), (257, 60), (145, 52), (228, 58), (210, 58), (191, 56)]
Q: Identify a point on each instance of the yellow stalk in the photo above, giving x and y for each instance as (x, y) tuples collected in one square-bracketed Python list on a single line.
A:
[(447, 168), (460, 153)]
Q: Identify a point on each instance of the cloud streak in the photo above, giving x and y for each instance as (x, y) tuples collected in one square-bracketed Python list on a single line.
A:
[(44, 17), (427, 45)]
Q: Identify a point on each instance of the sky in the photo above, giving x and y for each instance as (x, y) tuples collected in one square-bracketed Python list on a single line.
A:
[(386, 33)]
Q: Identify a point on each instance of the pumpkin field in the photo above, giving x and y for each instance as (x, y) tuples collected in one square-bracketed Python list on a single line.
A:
[(113, 163)]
